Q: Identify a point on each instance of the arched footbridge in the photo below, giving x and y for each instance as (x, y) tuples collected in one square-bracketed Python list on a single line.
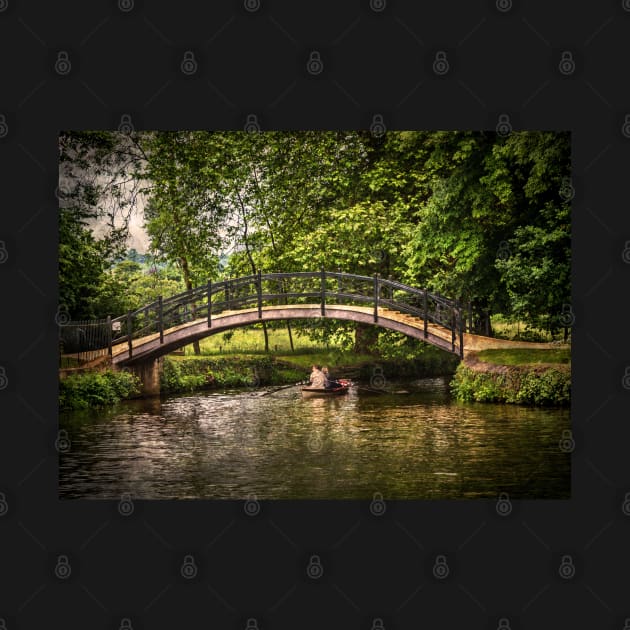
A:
[(139, 338), (170, 323)]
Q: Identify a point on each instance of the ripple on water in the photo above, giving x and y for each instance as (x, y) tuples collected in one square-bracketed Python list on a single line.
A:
[(282, 445)]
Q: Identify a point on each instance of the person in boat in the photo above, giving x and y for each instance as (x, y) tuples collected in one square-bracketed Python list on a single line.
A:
[(329, 381), (317, 378)]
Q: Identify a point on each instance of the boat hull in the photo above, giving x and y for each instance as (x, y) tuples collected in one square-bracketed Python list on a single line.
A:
[(316, 391)]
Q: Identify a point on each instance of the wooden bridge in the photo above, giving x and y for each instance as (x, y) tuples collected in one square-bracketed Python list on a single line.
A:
[(167, 324), (138, 339)]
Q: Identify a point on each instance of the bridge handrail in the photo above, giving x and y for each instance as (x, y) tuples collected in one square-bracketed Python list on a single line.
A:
[(394, 284), (204, 301)]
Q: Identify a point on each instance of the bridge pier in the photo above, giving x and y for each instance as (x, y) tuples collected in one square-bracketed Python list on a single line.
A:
[(149, 374)]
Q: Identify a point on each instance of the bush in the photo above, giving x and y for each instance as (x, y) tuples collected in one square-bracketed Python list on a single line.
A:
[(96, 389), (550, 387), (203, 372)]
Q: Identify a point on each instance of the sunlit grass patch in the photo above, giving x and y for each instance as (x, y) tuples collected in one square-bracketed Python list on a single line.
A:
[(526, 356)]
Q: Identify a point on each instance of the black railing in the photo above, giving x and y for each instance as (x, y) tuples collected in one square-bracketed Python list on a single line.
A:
[(324, 288)]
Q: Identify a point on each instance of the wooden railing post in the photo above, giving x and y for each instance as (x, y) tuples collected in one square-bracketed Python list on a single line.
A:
[(453, 324), (160, 319), (426, 314), (461, 334), (376, 289), (129, 341), (323, 290), (209, 303), (227, 295), (109, 335), (259, 291)]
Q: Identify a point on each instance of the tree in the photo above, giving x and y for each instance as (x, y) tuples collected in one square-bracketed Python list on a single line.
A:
[(492, 198), (96, 186), (185, 214), (532, 169)]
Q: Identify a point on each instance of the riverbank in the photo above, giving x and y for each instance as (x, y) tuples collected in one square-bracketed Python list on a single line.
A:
[(190, 372), (540, 377), (87, 389), (525, 376)]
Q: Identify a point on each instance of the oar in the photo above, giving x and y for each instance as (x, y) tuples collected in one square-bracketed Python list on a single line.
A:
[(277, 389)]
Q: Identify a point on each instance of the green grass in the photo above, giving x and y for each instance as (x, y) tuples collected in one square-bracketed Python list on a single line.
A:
[(250, 343), (247, 341), (520, 331), (526, 356), (331, 358)]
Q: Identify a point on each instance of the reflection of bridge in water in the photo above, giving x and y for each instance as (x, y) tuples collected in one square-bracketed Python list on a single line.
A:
[(138, 338)]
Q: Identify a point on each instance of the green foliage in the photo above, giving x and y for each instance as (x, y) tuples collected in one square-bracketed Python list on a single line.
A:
[(81, 267), (199, 372), (471, 215), (549, 387), (494, 229), (97, 188), (96, 389)]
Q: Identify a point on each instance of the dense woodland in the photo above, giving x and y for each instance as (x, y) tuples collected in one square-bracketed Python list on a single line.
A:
[(476, 216)]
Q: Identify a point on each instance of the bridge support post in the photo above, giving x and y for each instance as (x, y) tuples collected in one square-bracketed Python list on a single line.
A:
[(209, 303), (461, 334), (426, 314), (259, 293), (129, 339), (323, 290), (376, 291), (149, 374), (109, 335), (160, 319)]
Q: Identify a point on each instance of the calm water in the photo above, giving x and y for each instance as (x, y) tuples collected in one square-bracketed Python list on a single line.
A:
[(420, 445)]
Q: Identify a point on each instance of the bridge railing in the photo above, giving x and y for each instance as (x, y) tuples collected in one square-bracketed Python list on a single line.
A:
[(83, 341), (276, 289)]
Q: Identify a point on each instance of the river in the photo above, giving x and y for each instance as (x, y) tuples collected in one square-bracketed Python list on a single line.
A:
[(281, 445)]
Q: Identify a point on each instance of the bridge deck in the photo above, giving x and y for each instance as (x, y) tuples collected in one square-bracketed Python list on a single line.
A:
[(178, 336)]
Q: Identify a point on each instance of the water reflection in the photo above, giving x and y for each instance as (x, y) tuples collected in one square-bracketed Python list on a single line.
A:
[(283, 445)]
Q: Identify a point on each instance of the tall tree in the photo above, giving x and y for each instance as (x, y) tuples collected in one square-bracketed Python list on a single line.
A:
[(97, 187), (185, 214)]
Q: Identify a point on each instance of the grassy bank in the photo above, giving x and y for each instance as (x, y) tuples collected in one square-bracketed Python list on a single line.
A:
[(190, 373), (517, 376), (522, 376)]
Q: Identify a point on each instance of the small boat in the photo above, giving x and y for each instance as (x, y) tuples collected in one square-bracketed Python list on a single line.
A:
[(345, 386)]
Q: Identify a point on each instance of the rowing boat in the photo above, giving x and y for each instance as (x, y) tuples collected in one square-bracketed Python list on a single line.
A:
[(345, 386)]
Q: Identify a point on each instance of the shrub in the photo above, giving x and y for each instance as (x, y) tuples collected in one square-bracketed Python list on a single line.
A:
[(526, 386), (96, 389)]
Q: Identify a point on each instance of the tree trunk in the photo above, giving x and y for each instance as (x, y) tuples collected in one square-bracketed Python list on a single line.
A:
[(251, 259), (188, 281), (290, 336), (365, 338)]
